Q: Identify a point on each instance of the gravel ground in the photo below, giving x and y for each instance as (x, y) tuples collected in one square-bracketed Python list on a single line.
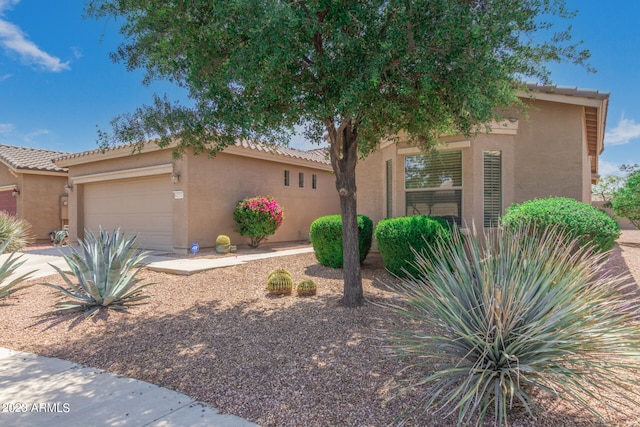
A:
[(278, 361)]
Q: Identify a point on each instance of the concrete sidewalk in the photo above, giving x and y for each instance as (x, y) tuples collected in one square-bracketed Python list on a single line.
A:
[(41, 260), (41, 391)]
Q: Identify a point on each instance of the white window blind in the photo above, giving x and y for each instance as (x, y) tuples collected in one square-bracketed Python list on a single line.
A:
[(433, 184)]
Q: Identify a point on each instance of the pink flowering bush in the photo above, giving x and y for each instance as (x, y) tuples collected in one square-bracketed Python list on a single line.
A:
[(258, 218)]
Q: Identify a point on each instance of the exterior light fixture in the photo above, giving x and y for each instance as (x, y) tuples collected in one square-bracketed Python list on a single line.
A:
[(175, 178), (15, 191), (68, 187)]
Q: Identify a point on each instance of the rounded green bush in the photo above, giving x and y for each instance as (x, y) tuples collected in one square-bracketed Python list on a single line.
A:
[(580, 220), (397, 236), (326, 237)]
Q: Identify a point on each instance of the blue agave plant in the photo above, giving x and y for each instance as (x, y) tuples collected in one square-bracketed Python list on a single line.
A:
[(105, 267)]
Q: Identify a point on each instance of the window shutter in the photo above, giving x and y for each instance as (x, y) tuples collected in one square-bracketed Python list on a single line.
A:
[(389, 189), (492, 162)]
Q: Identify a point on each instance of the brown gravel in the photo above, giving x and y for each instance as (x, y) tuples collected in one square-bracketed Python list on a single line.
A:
[(278, 361)]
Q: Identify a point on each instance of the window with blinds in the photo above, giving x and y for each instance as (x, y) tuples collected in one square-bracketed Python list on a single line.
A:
[(389, 189), (433, 184), (492, 183)]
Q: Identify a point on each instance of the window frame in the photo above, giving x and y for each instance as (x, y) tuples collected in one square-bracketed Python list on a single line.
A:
[(459, 188)]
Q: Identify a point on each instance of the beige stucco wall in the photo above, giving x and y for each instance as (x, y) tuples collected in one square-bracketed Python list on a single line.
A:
[(211, 187), (39, 200), (214, 186), (547, 156), (549, 153), (40, 203)]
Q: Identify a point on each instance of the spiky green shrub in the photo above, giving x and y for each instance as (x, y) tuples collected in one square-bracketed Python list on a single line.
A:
[(105, 267), (306, 288), (15, 232), (580, 220), (397, 238), (279, 282), (326, 237), (8, 268), (518, 311)]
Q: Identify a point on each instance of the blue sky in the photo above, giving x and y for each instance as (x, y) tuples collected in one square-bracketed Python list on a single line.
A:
[(57, 83)]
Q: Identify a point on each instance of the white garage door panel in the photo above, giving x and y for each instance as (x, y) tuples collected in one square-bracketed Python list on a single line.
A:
[(141, 206)]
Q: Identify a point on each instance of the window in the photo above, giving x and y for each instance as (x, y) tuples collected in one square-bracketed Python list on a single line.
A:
[(492, 183), (314, 181), (301, 180), (389, 189), (433, 185), (286, 178)]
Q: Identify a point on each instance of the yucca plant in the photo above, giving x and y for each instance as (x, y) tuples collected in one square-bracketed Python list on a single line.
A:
[(105, 267), (513, 313), (15, 232), (8, 268)]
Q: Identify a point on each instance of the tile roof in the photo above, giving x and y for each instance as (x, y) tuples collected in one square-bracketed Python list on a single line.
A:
[(318, 155), (568, 91), (26, 158)]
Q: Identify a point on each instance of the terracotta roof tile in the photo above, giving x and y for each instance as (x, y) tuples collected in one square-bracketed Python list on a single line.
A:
[(26, 158)]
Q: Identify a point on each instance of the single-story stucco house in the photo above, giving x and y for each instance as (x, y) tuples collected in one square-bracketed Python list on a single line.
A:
[(552, 150), (32, 188), (171, 203)]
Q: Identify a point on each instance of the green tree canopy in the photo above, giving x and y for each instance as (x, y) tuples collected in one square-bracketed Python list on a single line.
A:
[(626, 200), (350, 72)]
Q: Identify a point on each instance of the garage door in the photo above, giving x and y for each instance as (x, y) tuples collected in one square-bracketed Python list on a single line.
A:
[(7, 202), (141, 206)]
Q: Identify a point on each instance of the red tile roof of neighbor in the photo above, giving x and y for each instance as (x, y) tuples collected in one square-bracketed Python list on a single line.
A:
[(34, 159)]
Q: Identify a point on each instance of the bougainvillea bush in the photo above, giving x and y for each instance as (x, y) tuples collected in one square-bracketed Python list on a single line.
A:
[(258, 218)]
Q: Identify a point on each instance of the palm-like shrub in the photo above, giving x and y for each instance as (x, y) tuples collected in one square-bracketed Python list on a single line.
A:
[(8, 267), (15, 232), (518, 311), (105, 267)]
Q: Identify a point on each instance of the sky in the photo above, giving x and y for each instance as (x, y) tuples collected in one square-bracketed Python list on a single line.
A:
[(58, 84)]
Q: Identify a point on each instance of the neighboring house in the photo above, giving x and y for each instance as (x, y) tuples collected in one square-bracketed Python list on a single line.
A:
[(171, 203), (32, 188), (552, 150)]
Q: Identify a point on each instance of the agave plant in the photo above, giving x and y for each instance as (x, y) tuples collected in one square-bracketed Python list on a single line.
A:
[(14, 232), (513, 313), (7, 269), (105, 267)]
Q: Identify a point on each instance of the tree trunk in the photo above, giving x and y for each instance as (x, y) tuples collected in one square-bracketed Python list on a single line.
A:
[(344, 155)]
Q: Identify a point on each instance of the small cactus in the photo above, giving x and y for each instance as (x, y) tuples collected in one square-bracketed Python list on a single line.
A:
[(306, 287), (223, 240), (279, 282)]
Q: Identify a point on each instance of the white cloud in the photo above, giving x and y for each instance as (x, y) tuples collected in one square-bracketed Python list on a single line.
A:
[(15, 41), (6, 128), (28, 138), (4, 77), (608, 168), (7, 4), (623, 133)]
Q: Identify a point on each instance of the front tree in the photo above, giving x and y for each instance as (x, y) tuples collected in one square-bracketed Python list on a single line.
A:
[(349, 72)]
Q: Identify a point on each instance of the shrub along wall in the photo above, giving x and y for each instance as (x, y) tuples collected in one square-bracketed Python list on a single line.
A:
[(396, 237), (580, 220)]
